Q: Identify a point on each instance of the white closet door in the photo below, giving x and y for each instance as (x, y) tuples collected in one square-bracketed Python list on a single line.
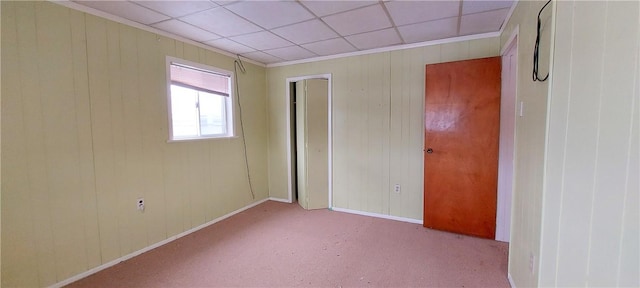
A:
[(317, 144), (312, 143), (301, 143)]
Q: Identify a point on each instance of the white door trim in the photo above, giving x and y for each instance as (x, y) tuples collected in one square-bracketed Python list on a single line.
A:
[(288, 82), (505, 198)]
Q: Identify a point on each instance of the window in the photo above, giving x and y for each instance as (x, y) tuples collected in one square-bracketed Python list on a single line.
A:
[(200, 101)]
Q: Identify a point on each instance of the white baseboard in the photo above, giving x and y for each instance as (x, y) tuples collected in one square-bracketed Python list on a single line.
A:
[(153, 246), (390, 217), (279, 200), (511, 280)]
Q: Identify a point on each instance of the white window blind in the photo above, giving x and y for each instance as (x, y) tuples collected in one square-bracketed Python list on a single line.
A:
[(197, 79)]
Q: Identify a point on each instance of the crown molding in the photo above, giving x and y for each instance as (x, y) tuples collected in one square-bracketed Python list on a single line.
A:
[(387, 49)]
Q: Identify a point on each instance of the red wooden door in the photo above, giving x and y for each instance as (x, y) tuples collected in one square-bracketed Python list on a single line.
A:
[(462, 124)]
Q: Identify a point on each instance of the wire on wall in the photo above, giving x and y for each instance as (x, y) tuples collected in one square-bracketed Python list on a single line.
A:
[(536, 49), (237, 64)]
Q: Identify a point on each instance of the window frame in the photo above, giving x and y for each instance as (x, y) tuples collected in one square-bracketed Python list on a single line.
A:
[(229, 102)]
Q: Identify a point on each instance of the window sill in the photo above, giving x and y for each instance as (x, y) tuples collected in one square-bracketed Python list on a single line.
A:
[(201, 139)]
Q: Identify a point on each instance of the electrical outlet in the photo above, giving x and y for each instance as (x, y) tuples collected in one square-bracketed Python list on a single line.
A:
[(140, 204), (396, 188)]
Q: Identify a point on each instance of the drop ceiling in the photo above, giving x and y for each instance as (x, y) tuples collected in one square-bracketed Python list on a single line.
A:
[(279, 31)]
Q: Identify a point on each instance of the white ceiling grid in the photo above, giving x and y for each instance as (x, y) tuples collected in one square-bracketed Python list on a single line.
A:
[(279, 31)]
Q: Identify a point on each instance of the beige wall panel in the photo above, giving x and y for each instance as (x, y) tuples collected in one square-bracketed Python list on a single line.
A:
[(201, 174), (60, 137), (179, 49), (18, 245), (529, 142), (482, 48), (396, 167), (212, 205), (431, 54), (236, 176), (126, 229), (414, 201), (254, 111), (614, 125), (90, 138), (0, 166), (377, 125), (582, 134), (36, 150), (278, 183), (630, 240), (101, 130), (558, 112), (152, 111), (83, 119), (588, 237), (225, 180), (340, 178), (407, 95), (132, 148), (377, 145), (355, 122), (185, 186), (454, 51), (174, 189)]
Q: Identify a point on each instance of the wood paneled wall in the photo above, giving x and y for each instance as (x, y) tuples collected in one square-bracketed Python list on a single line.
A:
[(530, 145), (576, 194), (84, 134), (377, 127), (591, 220)]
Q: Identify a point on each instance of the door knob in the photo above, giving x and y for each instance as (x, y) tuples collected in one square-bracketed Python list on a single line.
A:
[(429, 150)]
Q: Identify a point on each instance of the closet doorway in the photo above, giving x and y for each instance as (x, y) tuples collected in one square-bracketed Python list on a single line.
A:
[(309, 141)]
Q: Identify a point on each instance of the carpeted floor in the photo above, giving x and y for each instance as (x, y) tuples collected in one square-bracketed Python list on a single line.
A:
[(282, 245)]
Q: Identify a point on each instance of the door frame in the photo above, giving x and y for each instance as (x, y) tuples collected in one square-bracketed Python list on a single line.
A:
[(289, 141), (504, 211)]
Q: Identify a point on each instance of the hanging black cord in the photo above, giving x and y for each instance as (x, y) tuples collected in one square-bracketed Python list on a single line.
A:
[(536, 50), (237, 63)]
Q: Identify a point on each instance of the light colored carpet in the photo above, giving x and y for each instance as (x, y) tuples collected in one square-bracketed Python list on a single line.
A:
[(282, 245)]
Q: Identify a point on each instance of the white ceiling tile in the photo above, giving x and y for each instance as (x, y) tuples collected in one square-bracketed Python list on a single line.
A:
[(475, 6), (330, 47), (221, 22), (482, 22), (375, 39), (262, 40), (409, 12), (358, 21), (262, 57), (432, 30), (177, 8), (293, 31), (271, 14), (127, 10), (230, 46), (185, 30), (306, 32), (291, 53), (324, 8)]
